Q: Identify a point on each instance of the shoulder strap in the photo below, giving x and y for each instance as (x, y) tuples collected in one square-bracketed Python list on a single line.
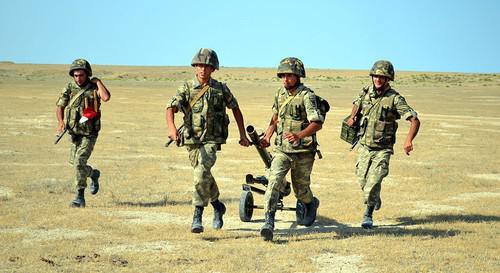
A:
[(288, 100), (197, 97), (75, 97)]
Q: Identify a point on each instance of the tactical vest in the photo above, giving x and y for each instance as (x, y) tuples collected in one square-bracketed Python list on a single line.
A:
[(292, 117), (74, 112), (207, 122), (378, 124)]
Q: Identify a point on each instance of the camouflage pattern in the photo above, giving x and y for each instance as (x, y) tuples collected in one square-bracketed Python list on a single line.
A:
[(295, 115), (371, 168), (206, 56), (291, 65), (81, 149), (301, 165), (379, 115), (202, 159), (207, 121), (383, 68), (80, 64), (73, 113)]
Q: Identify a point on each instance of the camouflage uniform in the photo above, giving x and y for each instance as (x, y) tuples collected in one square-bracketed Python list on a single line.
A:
[(83, 135), (205, 129), (293, 117), (378, 129)]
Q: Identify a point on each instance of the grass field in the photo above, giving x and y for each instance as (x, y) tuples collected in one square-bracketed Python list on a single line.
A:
[(441, 208)]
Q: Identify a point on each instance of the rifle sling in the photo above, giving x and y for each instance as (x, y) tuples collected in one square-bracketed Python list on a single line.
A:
[(196, 98)]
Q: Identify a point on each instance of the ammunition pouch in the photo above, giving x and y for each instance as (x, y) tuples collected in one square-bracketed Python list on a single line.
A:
[(90, 127), (385, 132), (221, 124)]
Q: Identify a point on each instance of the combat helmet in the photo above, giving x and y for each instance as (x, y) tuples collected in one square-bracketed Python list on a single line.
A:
[(291, 65), (383, 68), (80, 64), (206, 56)]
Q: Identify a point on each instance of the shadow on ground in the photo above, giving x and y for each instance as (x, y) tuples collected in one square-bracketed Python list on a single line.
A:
[(332, 229)]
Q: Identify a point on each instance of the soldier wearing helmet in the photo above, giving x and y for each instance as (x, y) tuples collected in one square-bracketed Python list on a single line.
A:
[(203, 102), (296, 119), (78, 113), (377, 109)]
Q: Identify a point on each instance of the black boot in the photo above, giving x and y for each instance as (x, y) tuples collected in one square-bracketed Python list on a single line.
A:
[(311, 210), (219, 210), (266, 232), (378, 203), (94, 185), (368, 217), (197, 226), (79, 201)]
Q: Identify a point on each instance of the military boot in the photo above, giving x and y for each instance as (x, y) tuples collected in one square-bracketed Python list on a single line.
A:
[(378, 203), (266, 232), (94, 185), (196, 226), (79, 201), (311, 210), (368, 217), (219, 210)]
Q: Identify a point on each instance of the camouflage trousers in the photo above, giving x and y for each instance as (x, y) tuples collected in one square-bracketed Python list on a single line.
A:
[(81, 149), (372, 166), (301, 165), (202, 159)]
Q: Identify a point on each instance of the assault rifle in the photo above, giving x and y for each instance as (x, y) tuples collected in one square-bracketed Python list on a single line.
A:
[(60, 135), (179, 135)]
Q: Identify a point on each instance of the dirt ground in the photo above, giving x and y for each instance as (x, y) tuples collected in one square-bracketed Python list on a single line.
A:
[(440, 213)]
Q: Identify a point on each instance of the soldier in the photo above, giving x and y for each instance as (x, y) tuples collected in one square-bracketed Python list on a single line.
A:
[(203, 102), (296, 119), (79, 105), (377, 108)]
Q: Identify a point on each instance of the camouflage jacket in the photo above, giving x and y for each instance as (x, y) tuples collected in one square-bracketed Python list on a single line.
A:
[(207, 121), (295, 111), (379, 115), (74, 112)]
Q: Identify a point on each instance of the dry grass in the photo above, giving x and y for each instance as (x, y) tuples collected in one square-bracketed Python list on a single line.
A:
[(441, 204)]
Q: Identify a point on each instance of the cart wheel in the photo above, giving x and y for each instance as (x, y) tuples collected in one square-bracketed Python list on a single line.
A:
[(246, 206), (300, 212)]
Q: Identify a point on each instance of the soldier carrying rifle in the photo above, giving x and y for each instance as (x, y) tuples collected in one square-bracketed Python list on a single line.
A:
[(203, 102), (78, 113)]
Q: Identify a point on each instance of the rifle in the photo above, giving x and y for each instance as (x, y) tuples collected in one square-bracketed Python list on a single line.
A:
[(60, 135), (179, 135)]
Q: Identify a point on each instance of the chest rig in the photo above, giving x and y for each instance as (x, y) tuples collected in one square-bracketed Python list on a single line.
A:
[(207, 121), (82, 98), (379, 115)]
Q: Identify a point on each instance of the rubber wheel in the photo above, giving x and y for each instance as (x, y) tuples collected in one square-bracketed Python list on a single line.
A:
[(246, 206)]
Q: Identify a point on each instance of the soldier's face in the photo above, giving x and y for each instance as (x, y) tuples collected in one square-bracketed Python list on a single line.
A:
[(289, 80), (203, 72), (80, 77), (379, 81)]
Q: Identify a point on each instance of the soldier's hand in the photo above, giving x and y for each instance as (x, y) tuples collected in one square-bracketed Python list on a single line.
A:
[(292, 138), (244, 141), (172, 134), (95, 80), (60, 127), (408, 147), (351, 121), (265, 142)]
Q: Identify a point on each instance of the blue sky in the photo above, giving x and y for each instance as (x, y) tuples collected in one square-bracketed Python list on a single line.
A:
[(426, 35)]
